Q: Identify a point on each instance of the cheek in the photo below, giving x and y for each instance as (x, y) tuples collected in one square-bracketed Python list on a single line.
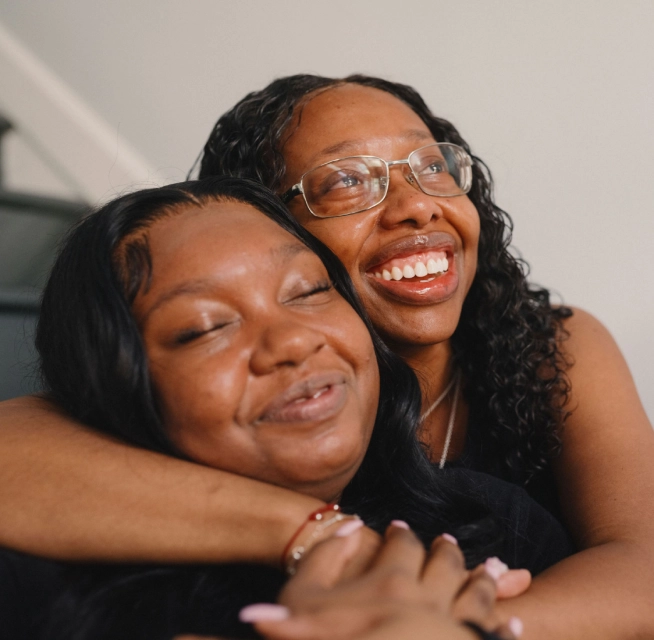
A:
[(199, 401), (354, 339), (465, 220), (344, 236)]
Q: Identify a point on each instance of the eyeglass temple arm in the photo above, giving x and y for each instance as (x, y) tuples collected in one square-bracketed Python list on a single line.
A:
[(295, 190)]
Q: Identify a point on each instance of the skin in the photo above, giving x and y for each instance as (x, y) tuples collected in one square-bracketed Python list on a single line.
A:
[(605, 475), (405, 593), (279, 385), (353, 120)]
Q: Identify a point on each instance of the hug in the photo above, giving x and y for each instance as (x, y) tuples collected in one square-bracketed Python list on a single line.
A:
[(508, 385)]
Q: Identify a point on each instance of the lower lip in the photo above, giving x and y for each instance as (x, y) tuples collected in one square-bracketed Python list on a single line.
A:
[(413, 291), (327, 405)]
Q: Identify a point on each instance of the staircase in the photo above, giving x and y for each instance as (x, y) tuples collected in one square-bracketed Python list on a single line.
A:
[(31, 227)]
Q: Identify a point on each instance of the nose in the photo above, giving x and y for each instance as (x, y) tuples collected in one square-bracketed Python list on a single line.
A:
[(285, 343), (406, 203)]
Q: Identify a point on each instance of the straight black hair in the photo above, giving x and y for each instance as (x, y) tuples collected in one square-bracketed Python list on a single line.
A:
[(95, 366)]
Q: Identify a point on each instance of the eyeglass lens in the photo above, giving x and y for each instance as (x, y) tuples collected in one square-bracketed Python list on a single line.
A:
[(357, 183)]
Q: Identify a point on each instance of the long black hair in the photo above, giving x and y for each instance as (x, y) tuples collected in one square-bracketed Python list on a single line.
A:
[(508, 341), (94, 364)]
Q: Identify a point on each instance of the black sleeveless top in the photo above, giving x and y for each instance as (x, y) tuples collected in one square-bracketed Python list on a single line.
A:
[(478, 455), (46, 600)]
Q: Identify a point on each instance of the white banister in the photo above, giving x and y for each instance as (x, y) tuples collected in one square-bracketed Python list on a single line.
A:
[(96, 160)]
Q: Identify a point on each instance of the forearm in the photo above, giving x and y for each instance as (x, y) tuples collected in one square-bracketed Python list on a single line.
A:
[(602, 593), (67, 492)]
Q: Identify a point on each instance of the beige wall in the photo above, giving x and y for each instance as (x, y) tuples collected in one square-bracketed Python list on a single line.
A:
[(556, 96)]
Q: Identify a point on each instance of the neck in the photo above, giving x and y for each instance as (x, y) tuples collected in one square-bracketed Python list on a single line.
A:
[(434, 368), (431, 363)]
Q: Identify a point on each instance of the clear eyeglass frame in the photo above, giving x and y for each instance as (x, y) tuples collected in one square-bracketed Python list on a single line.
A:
[(462, 166)]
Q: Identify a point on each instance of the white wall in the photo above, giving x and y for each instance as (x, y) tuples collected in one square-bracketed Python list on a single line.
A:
[(556, 96)]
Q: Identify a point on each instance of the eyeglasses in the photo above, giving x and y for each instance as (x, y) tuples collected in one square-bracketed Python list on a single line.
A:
[(358, 183)]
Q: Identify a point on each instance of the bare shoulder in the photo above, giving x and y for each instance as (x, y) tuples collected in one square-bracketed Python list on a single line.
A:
[(597, 365), (585, 330), (608, 443)]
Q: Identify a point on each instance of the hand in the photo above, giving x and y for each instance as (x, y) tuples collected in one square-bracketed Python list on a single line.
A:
[(438, 592), (510, 582)]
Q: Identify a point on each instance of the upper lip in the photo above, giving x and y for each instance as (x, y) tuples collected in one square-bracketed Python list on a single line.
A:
[(304, 388), (412, 244)]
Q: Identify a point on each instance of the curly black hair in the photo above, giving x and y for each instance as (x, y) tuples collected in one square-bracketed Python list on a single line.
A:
[(508, 341)]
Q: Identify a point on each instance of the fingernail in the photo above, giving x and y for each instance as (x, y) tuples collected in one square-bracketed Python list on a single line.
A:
[(400, 524), (450, 538), (261, 612), (495, 568), (349, 528), (516, 626)]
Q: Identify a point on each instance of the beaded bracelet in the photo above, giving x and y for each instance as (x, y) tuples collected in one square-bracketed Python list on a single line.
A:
[(325, 516)]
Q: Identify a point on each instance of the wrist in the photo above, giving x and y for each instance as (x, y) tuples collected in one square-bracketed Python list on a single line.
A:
[(321, 524)]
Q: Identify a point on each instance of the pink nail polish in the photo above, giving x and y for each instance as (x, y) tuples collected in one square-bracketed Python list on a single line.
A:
[(400, 524), (450, 538), (263, 612), (349, 528), (495, 568), (516, 626)]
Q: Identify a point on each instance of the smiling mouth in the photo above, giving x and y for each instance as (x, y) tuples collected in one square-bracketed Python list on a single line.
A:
[(421, 267), (314, 399)]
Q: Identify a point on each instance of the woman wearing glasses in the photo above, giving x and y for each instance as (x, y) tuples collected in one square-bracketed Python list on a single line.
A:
[(511, 385)]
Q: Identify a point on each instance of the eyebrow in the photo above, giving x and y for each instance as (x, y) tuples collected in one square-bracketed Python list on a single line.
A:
[(279, 255), (348, 146)]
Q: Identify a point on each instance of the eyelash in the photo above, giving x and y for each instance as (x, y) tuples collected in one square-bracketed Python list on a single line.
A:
[(321, 287), (193, 334)]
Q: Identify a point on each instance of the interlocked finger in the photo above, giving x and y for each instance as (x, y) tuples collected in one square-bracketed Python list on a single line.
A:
[(476, 601), (444, 574)]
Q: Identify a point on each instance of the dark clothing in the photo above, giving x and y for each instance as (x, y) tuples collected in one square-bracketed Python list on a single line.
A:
[(28, 586), (481, 455), (124, 602)]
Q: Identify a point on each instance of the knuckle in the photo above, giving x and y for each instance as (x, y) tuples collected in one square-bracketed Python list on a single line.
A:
[(394, 586), (483, 591), (449, 554)]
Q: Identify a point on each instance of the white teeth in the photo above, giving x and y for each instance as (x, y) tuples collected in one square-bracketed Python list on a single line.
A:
[(408, 271), (418, 270), (437, 266)]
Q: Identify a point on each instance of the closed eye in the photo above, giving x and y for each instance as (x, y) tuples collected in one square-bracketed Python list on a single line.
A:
[(189, 335), (320, 288), (312, 293)]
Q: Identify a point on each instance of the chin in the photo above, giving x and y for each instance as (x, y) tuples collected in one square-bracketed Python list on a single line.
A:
[(323, 479)]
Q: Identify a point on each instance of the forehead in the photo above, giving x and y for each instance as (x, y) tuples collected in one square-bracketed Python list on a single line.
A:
[(220, 229), (217, 240), (351, 120)]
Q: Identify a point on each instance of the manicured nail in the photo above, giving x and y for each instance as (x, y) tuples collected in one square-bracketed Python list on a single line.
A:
[(263, 612), (450, 538), (400, 524), (495, 568), (516, 626), (349, 528)]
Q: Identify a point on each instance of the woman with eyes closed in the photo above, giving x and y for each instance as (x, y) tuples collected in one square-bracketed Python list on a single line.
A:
[(531, 393), (227, 335)]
